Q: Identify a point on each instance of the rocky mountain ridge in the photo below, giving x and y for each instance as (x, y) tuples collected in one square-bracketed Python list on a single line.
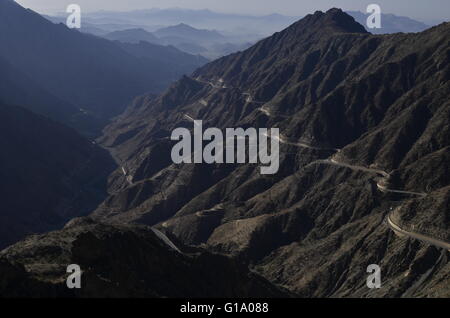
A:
[(360, 115)]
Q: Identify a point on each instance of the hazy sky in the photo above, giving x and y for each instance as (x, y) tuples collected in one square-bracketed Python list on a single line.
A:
[(419, 9)]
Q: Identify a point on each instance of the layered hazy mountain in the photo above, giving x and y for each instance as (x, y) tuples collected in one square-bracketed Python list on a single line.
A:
[(206, 43), (133, 36), (201, 19), (189, 33), (195, 31), (241, 24), (364, 121), (92, 74)]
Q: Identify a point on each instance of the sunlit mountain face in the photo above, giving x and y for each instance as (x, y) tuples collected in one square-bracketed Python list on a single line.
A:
[(135, 156)]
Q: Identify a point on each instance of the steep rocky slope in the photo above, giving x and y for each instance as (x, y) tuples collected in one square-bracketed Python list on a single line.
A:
[(365, 129), (48, 174), (424, 215)]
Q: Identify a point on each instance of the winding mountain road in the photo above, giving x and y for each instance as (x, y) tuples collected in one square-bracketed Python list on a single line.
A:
[(384, 174), (332, 161), (417, 236), (281, 139), (211, 83), (385, 189), (390, 223), (249, 97)]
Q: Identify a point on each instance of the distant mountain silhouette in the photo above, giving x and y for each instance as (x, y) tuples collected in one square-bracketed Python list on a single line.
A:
[(133, 36), (263, 25), (86, 71), (187, 32), (239, 29), (184, 37), (208, 43), (200, 19)]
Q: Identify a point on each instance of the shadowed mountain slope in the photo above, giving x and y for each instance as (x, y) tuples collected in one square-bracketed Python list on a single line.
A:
[(123, 261), (89, 72), (16, 88), (167, 61), (48, 174)]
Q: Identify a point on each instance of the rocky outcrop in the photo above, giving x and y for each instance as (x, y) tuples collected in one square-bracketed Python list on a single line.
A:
[(124, 261)]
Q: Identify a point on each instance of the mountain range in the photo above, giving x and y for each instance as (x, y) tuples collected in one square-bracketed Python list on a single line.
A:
[(207, 43), (192, 31), (364, 121), (78, 70), (363, 177), (189, 33), (153, 19), (133, 36)]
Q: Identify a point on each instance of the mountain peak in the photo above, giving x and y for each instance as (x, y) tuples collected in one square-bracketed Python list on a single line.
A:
[(334, 20), (184, 26)]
